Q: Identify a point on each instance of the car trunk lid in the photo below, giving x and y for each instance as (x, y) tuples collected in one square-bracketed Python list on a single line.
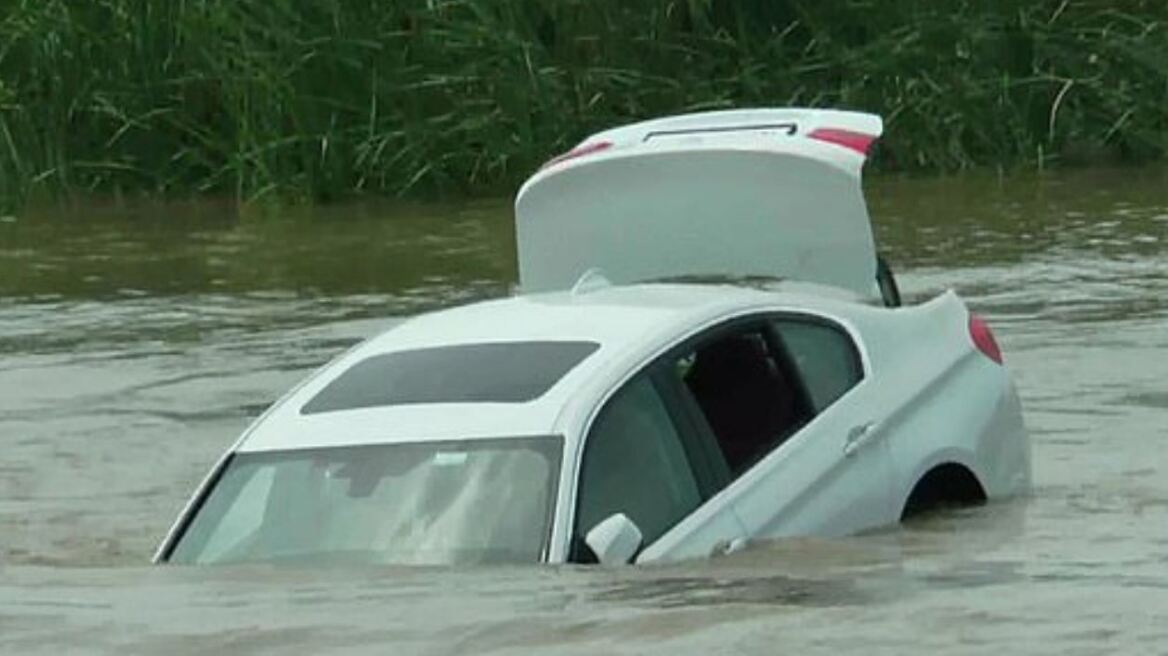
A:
[(743, 193)]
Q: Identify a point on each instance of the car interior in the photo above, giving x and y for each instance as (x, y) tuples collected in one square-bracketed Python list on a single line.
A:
[(748, 398)]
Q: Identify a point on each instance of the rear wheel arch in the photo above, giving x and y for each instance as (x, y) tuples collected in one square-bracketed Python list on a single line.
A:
[(946, 484)]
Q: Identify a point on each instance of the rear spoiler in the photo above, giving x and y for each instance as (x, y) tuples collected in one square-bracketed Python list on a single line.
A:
[(854, 131)]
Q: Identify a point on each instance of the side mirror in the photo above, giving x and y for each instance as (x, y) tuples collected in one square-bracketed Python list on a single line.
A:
[(614, 540)]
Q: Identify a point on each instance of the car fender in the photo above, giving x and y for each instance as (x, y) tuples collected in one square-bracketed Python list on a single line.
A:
[(984, 434)]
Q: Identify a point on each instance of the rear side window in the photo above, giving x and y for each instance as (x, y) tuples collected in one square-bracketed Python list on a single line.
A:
[(825, 357), (501, 372)]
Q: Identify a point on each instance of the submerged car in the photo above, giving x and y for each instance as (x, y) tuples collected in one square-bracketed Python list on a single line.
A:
[(705, 350)]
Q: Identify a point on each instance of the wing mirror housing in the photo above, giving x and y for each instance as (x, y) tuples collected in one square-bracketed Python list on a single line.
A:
[(615, 540)]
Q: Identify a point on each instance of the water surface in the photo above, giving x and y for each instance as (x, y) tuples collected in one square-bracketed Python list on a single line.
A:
[(137, 342)]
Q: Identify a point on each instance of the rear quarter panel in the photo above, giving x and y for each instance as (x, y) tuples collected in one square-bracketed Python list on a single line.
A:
[(946, 401)]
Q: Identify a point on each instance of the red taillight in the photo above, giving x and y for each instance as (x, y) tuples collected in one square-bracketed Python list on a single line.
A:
[(856, 141), (586, 149), (983, 338)]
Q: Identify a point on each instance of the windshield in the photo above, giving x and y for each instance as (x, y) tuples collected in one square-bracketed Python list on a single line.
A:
[(420, 503)]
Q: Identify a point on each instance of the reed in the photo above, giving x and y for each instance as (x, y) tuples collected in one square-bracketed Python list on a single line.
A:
[(321, 99)]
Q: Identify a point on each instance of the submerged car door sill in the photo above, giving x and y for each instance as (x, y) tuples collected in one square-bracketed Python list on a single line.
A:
[(712, 529)]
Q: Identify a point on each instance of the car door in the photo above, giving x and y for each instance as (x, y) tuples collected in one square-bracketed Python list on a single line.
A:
[(786, 400), (833, 477), (641, 458)]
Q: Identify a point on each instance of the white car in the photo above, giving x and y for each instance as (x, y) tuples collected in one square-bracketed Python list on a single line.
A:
[(623, 407)]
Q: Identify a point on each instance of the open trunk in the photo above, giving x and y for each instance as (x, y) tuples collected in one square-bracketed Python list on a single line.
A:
[(742, 193)]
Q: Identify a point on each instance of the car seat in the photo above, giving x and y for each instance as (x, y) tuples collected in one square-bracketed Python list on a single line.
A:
[(745, 397)]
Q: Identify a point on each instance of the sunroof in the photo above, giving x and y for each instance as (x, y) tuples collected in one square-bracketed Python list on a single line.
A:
[(499, 372)]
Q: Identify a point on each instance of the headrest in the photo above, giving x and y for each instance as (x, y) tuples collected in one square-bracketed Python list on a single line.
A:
[(741, 359)]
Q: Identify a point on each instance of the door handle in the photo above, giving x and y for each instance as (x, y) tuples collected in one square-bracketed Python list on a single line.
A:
[(858, 436)]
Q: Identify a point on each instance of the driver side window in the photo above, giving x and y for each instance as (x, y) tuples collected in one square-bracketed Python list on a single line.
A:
[(634, 462)]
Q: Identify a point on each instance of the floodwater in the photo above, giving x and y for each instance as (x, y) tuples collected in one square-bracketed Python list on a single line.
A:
[(137, 342)]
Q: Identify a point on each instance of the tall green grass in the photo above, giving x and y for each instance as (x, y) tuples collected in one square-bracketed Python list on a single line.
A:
[(320, 99)]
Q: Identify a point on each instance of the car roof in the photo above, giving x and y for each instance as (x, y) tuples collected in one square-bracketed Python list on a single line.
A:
[(627, 322)]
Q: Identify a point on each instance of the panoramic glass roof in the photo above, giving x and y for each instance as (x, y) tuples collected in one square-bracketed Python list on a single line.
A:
[(500, 372)]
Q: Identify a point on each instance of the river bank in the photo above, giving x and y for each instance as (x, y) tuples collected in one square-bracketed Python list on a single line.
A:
[(319, 101)]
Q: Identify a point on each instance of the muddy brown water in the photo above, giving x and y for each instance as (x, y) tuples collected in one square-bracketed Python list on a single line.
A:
[(137, 342)]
